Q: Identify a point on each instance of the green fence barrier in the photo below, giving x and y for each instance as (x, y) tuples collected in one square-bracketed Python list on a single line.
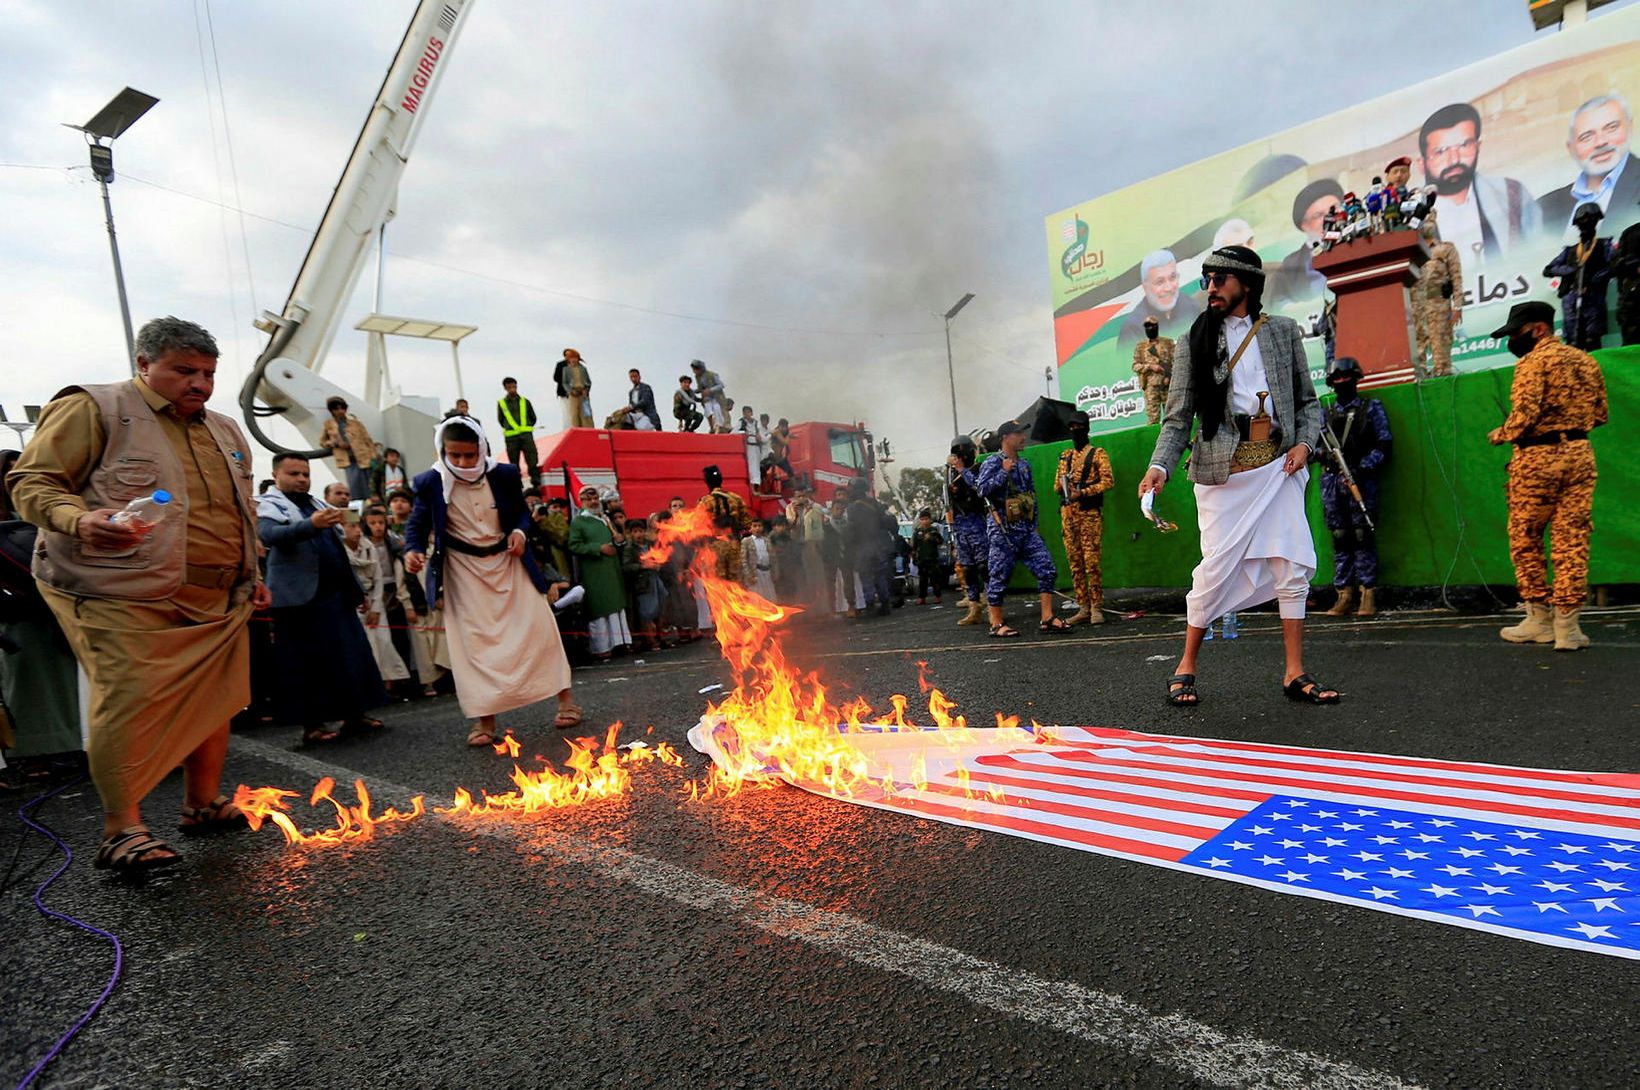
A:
[(1442, 518)]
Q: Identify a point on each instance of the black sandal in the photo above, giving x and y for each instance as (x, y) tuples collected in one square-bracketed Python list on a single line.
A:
[(319, 736), (1053, 624), (219, 816), (1305, 689), (362, 725), (128, 852), (1003, 632), (1185, 695)]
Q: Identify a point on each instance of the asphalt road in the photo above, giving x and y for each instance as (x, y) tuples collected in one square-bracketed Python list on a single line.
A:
[(782, 939)]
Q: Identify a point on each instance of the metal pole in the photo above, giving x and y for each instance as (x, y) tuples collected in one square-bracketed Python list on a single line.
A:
[(455, 354), (951, 373), (119, 278), (381, 262)]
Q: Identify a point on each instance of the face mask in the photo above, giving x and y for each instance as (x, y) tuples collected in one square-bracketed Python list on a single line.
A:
[(470, 475), (1345, 390), (1152, 331), (1520, 344)]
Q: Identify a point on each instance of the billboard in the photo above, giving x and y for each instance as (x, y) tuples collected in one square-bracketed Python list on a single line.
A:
[(1513, 143)]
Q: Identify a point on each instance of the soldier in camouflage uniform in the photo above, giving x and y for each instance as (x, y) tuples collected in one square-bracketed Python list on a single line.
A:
[(966, 515), (1557, 396), (1153, 363), (730, 518), (1437, 302), (1012, 535), (1084, 475)]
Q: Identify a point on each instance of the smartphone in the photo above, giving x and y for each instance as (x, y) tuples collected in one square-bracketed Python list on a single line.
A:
[(353, 513)]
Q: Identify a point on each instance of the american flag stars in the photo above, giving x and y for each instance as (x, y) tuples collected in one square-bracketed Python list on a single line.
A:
[(1487, 874)]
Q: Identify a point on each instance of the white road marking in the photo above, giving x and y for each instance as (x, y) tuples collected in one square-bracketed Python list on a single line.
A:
[(1171, 1040)]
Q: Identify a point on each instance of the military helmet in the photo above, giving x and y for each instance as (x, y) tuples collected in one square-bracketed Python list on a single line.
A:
[(1588, 211), (1344, 369), (964, 447)]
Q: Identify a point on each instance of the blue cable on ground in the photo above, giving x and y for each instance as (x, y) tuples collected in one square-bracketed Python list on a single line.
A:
[(26, 814)]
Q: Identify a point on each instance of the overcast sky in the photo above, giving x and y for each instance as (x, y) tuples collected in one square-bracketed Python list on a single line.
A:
[(793, 191)]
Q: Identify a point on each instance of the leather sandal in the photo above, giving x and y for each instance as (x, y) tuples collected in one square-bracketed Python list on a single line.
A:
[(1307, 690), (1181, 691), (130, 853), (218, 816), (569, 717)]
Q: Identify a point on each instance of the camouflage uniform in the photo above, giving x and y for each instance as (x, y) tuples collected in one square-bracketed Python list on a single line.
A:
[(733, 520), (1016, 539), (1433, 307), (1148, 355), (968, 529), (1088, 472), (1556, 389)]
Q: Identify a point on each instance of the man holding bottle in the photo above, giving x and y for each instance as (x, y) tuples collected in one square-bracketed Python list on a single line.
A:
[(154, 610)]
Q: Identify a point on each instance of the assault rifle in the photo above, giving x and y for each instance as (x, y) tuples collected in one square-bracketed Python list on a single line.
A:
[(1335, 454)]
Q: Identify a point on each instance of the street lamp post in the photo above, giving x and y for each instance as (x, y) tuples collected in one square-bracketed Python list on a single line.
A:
[(109, 123), (950, 367)]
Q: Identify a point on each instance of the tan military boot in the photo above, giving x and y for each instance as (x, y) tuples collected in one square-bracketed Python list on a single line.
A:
[(1369, 604), (1081, 616), (1345, 604), (1538, 627), (1568, 636), (975, 614)]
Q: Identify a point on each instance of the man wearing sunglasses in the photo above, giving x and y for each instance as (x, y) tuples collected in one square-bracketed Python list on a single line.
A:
[(1243, 375)]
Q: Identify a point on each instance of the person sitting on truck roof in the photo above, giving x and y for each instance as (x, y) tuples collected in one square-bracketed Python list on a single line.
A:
[(640, 399), (684, 400)]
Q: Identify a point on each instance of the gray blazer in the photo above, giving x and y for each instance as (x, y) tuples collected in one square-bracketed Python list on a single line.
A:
[(1292, 403)]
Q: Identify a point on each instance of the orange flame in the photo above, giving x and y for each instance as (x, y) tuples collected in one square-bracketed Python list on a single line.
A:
[(778, 724), (353, 823)]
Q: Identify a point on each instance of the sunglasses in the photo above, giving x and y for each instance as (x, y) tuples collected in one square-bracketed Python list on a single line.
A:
[(1215, 280)]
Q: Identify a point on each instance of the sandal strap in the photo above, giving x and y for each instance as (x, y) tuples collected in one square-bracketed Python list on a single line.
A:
[(120, 846)]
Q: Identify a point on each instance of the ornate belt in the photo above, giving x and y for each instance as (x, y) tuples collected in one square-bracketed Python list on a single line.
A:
[(1253, 453)]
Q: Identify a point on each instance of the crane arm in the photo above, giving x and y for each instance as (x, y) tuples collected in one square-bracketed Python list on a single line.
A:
[(286, 375)]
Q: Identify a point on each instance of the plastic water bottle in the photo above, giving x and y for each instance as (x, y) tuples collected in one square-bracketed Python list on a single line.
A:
[(1230, 626), (144, 512)]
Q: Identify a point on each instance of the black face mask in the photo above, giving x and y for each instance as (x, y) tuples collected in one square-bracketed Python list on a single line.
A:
[(1152, 331), (1344, 390), (1079, 437), (1520, 344)]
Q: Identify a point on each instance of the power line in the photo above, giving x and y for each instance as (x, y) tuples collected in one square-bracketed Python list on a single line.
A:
[(558, 292)]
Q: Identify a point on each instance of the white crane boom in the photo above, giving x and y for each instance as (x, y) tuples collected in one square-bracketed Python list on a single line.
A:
[(287, 373)]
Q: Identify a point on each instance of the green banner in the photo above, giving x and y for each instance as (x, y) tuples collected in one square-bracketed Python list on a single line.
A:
[(1442, 513), (1512, 144)]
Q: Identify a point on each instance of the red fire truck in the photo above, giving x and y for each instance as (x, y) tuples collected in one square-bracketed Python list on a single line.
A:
[(648, 468)]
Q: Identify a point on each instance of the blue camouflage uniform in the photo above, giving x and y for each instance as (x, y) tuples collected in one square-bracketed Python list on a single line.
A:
[(968, 523), (1362, 429), (1008, 544)]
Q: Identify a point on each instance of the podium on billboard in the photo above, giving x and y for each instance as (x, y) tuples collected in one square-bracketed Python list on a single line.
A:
[(1370, 277)]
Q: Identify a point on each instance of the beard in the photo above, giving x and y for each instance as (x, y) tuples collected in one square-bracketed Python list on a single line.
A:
[(1455, 179), (1593, 169)]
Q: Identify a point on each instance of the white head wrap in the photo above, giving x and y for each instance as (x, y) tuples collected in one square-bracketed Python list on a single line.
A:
[(448, 473)]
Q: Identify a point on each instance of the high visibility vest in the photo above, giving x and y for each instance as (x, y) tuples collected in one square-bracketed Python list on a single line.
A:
[(513, 427)]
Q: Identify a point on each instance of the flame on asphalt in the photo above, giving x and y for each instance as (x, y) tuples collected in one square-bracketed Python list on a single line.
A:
[(777, 725)]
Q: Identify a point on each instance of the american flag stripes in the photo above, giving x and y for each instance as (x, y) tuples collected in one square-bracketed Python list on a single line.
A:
[(1545, 855)]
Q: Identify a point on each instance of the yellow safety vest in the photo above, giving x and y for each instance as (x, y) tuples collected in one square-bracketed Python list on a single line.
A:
[(513, 426)]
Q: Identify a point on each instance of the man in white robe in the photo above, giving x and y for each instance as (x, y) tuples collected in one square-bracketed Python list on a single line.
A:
[(1244, 376)]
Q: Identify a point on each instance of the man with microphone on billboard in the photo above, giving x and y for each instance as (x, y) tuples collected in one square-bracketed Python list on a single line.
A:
[(1243, 375)]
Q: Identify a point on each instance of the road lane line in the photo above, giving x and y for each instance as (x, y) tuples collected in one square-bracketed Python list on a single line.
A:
[(1171, 1040)]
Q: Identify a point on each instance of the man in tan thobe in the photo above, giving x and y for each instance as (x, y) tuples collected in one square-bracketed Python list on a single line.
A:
[(155, 613)]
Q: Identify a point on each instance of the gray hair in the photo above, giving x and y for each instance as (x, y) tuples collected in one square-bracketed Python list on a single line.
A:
[(1595, 104), (161, 335), (1155, 258)]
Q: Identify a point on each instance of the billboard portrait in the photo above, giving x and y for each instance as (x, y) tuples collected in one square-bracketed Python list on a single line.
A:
[(1512, 144)]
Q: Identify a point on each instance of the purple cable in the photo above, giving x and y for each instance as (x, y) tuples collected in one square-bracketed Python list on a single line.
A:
[(25, 813)]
